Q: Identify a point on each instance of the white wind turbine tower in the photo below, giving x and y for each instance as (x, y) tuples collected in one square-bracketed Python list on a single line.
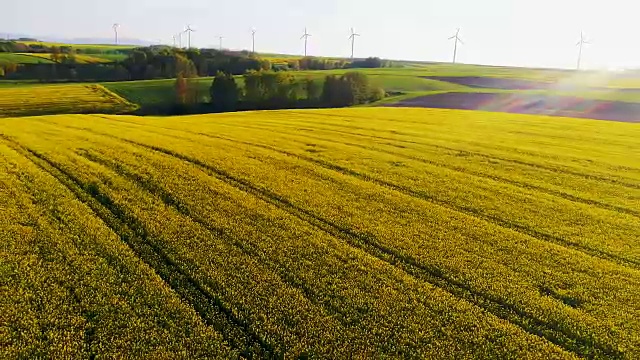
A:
[(179, 35), (455, 46), (253, 40), (220, 38), (305, 36), (583, 41), (115, 30), (189, 30), (353, 41)]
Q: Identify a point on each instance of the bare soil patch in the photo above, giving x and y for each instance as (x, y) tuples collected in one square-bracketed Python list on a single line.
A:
[(481, 82), (529, 104)]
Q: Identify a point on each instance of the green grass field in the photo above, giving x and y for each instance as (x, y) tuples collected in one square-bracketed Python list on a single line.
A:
[(36, 58), (79, 58), (406, 80), (111, 57), (353, 233), (38, 99), (410, 81), (11, 58), (154, 92)]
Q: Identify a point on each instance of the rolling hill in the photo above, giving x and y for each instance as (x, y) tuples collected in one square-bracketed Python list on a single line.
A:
[(366, 233), (38, 99)]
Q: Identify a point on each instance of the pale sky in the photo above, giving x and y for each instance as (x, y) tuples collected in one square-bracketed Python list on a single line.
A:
[(501, 32)]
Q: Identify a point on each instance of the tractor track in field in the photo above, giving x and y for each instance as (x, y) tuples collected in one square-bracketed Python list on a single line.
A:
[(567, 171), (577, 344), (524, 230), (615, 181), (209, 307), (556, 193), (286, 276), (550, 330), (391, 120)]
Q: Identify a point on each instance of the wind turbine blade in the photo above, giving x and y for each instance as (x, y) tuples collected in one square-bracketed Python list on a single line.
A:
[(461, 42), (453, 37)]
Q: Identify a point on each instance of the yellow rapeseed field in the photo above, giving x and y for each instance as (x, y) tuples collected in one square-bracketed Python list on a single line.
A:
[(352, 233), (66, 98), (79, 58)]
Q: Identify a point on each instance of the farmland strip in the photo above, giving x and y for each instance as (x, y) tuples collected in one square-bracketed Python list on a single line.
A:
[(209, 307), (468, 211), (172, 201), (564, 169), (462, 170), (578, 344), (526, 230), (459, 169), (402, 309)]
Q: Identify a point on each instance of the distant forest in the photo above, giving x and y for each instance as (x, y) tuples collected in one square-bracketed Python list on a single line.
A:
[(154, 62)]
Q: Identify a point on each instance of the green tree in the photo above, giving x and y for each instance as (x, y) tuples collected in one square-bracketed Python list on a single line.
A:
[(186, 87), (358, 84), (68, 56), (55, 54), (224, 92), (332, 91), (352, 88), (265, 65), (10, 68), (377, 94), (185, 66), (252, 90), (313, 89), (181, 89)]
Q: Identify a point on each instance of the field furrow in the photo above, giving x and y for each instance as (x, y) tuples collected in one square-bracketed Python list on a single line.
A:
[(81, 279), (498, 302), (497, 176), (31, 100), (455, 140), (625, 229), (622, 227), (356, 233)]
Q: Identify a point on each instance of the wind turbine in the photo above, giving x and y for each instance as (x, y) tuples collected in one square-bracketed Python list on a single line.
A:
[(455, 46), (583, 41), (253, 40), (220, 38), (115, 30), (174, 41), (189, 30), (353, 41), (305, 36)]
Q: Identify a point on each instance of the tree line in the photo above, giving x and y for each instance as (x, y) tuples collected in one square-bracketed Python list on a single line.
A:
[(156, 62), (43, 48), (262, 90)]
